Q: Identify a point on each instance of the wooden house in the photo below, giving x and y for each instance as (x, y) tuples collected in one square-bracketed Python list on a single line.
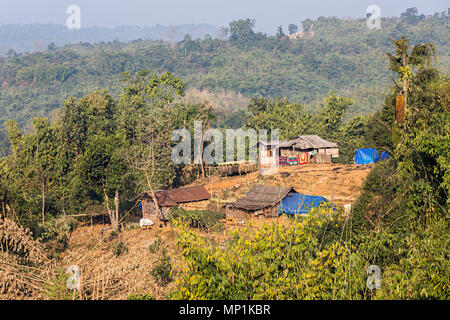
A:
[(306, 149), (261, 201), (189, 198)]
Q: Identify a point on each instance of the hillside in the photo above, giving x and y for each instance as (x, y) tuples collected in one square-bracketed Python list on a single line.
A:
[(37, 37), (338, 183), (129, 273), (340, 55)]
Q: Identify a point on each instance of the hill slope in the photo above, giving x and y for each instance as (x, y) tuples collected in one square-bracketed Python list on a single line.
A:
[(340, 55)]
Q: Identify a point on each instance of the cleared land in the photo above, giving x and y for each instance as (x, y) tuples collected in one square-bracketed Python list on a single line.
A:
[(109, 277), (336, 182)]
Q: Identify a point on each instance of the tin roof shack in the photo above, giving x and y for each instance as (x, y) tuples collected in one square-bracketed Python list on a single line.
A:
[(319, 150), (261, 201), (189, 198)]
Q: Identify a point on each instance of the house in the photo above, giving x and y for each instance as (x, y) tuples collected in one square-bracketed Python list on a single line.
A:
[(189, 198), (261, 201), (268, 152), (270, 201), (301, 150)]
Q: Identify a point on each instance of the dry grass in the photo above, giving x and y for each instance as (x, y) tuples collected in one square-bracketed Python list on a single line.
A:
[(108, 277), (24, 266)]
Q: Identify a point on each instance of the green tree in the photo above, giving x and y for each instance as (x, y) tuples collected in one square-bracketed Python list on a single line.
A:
[(280, 33), (332, 114), (242, 29), (293, 28), (407, 58)]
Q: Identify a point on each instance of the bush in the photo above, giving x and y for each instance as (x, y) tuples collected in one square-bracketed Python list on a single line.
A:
[(119, 248), (200, 219), (162, 271), (57, 289), (56, 228), (272, 262), (141, 296), (155, 245)]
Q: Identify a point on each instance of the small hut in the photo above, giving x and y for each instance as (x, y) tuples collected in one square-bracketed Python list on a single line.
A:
[(261, 201), (309, 148), (301, 150), (189, 198)]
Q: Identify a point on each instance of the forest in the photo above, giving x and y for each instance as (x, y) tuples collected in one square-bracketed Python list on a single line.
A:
[(334, 54), (104, 146)]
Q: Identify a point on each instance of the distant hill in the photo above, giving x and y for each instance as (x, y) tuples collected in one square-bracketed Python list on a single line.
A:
[(337, 55), (37, 37)]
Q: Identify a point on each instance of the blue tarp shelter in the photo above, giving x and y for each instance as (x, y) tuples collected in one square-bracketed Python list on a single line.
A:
[(366, 156), (295, 203)]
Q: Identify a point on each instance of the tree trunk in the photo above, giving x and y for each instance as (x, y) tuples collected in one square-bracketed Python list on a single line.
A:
[(116, 204), (112, 213), (149, 183), (43, 204), (201, 149)]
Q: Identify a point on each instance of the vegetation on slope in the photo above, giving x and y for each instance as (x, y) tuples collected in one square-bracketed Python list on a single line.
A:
[(337, 55)]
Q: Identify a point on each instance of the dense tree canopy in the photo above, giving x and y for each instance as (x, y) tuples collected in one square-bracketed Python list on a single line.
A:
[(334, 55)]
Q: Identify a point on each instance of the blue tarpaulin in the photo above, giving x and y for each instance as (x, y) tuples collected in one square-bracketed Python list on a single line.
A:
[(366, 156), (295, 203)]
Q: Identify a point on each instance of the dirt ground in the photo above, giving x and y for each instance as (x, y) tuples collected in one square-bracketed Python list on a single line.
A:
[(336, 182)]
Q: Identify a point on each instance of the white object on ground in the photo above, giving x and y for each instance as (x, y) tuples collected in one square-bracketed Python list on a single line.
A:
[(146, 222)]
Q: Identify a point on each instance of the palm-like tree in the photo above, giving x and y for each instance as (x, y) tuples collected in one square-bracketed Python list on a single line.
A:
[(407, 57)]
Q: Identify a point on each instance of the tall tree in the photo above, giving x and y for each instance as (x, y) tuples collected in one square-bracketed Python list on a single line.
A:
[(280, 33), (242, 30), (293, 28), (408, 58)]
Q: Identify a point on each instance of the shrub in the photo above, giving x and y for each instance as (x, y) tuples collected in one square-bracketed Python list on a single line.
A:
[(119, 248), (273, 262), (141, 296), (155, 245), (57, 231), (162, 271), (201, 219), (57, 289)]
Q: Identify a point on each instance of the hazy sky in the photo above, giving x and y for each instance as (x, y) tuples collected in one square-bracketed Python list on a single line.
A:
[(268, 13)]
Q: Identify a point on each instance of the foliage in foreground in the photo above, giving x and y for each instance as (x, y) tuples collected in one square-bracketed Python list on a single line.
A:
[(318, 258), (200, 219)]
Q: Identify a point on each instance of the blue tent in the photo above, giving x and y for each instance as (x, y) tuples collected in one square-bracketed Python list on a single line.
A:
[(295, 203), (366, 156)]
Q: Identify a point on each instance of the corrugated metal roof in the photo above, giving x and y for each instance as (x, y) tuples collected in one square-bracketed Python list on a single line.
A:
[(308, 142), (261, 197), (172, 197)]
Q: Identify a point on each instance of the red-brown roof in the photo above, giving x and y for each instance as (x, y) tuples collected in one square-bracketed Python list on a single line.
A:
[(172, 197)]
